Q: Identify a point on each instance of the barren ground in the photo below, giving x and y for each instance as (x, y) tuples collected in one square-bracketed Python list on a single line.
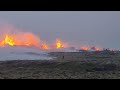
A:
[(66, 66)]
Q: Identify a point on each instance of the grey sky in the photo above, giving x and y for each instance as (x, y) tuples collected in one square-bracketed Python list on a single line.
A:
[(101, 28)]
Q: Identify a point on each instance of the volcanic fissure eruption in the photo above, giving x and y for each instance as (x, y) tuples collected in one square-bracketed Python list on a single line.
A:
[(28, 39)]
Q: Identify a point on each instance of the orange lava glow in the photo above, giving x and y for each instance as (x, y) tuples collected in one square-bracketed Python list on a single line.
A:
[(85, 48), (97, 49), (59, 44), (44, 46), (29, 39), (20, 39)]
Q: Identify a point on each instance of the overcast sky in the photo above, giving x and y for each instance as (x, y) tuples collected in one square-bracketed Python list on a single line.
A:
[(101, 28)]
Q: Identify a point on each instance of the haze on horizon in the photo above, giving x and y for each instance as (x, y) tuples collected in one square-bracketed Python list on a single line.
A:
[(99, 28)]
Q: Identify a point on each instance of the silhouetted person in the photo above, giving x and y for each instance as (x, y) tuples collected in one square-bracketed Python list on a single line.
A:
[(63, 56)]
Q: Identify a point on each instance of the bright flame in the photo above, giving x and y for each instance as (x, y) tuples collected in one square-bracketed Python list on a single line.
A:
[(59, 44), (8, 40), (29, 39), (20, 39)]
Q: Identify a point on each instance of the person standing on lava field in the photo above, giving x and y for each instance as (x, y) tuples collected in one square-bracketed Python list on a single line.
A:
[(63, 57)]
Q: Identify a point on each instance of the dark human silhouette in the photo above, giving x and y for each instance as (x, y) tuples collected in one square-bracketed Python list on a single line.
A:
[(63, 57)]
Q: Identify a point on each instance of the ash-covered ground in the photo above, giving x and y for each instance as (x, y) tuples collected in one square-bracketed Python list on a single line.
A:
[(67, 65)]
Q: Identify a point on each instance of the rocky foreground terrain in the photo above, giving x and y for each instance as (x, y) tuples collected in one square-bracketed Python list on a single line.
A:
[(73, 65)]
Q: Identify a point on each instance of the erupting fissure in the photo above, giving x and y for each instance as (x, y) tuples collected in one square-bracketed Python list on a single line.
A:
[(29, 39)]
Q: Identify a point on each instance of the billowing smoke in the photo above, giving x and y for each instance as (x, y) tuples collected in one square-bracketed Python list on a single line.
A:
[(11, 36), (18, 44)]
